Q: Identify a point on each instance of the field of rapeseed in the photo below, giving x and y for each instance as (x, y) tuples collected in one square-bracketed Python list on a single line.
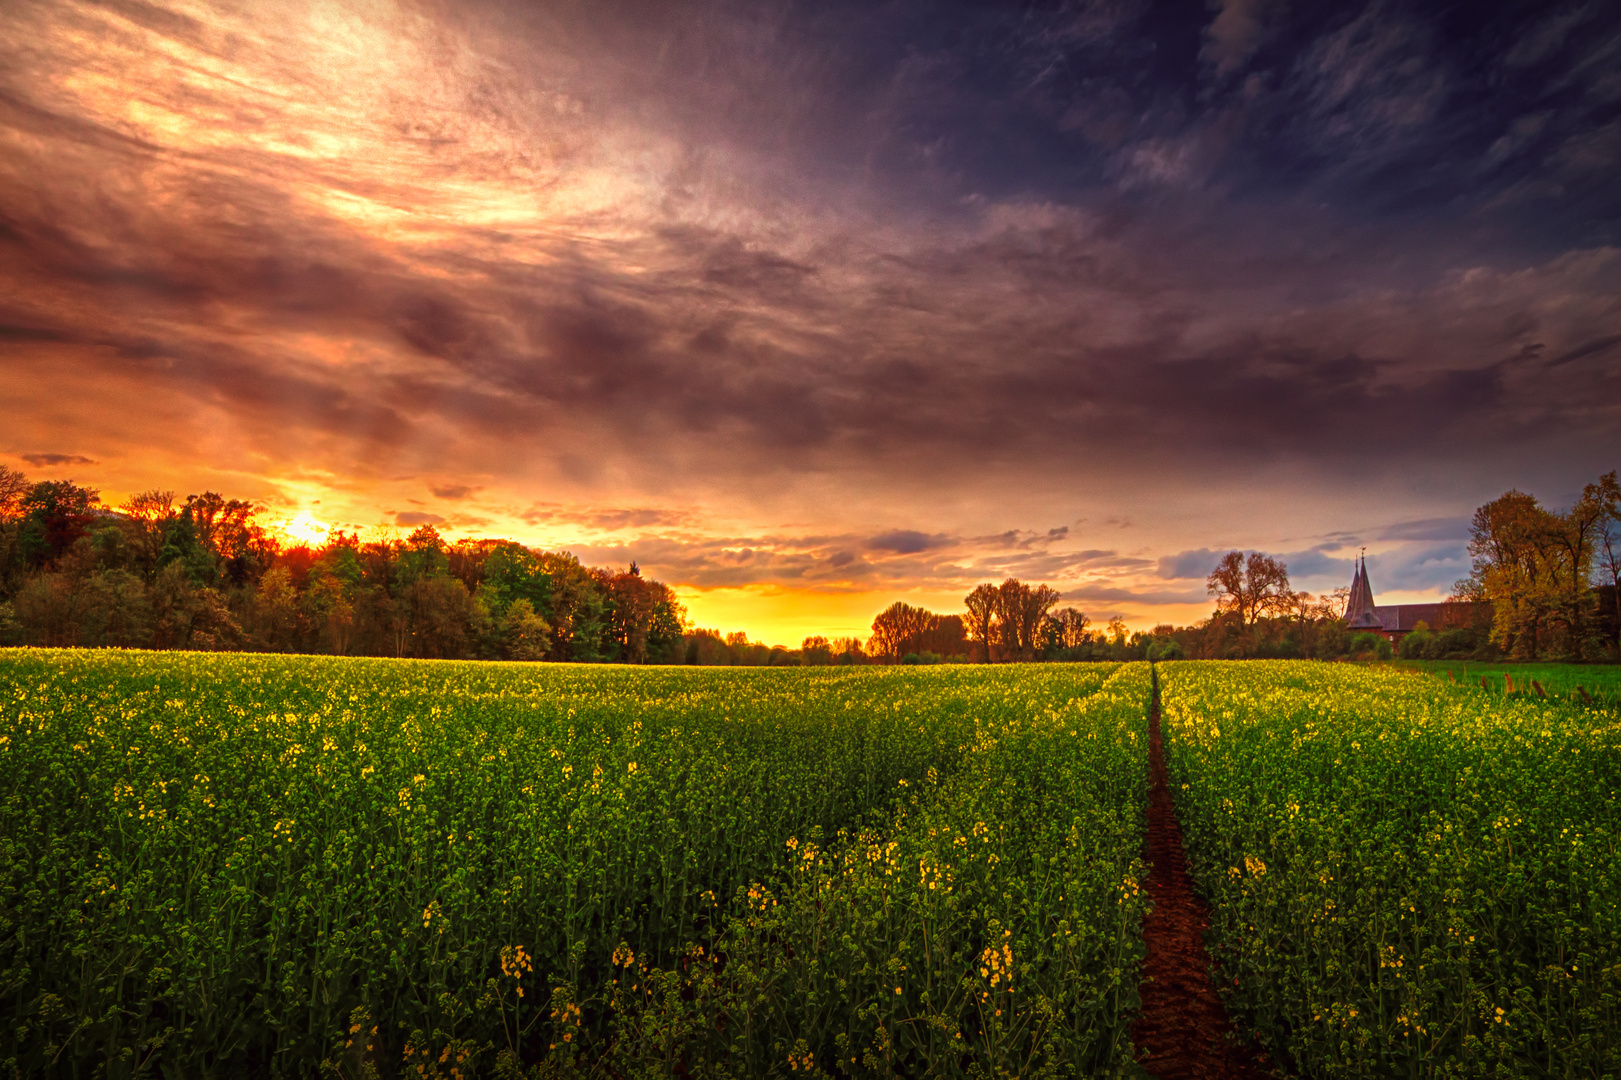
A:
[(284, 866), (1407, 878)]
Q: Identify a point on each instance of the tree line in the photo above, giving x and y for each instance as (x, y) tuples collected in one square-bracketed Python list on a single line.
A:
[(1007, 622), (203, 573), (1257, 614), (1013, 621)]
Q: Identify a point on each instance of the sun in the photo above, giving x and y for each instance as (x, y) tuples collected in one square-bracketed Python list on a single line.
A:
[(304, 529)]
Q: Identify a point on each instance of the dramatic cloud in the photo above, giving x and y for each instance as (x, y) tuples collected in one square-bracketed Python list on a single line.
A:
[(47, 460), (905, 542), (1239, 28), (1189, 564), (833, 298)]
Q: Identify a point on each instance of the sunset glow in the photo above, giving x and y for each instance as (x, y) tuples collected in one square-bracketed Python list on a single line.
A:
[(809, 310), (304, 529)]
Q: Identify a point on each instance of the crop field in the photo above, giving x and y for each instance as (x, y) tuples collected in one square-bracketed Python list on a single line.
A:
[(1407, 878), (232, 865)]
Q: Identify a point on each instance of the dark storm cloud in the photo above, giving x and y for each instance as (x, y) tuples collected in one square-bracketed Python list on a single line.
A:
[(1318, 564), (1415, 561), (1312, 563), (1420, 567), (30, 333), (906, 542), (732, 241), (1594, 348), (1189, 564), (45, 460)]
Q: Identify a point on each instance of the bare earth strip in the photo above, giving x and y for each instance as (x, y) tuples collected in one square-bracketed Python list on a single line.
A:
[(1183, 1030)]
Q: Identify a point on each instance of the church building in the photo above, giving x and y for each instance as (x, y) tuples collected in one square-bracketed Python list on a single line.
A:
[(1396, 621), (1360, 612)]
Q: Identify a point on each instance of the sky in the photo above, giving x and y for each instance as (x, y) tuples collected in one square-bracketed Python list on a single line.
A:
[(808, 308)]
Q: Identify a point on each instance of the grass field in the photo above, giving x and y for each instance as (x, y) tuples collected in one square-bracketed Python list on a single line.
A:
[(1408, 878), (267, 865), (1601, 681)]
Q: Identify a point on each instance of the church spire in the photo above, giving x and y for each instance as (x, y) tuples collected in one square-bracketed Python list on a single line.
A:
[(1360, 612)]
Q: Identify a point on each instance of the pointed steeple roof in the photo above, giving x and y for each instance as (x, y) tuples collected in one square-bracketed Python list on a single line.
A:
[(1360, 613)]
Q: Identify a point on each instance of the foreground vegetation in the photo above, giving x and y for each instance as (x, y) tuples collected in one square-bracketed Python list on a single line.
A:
[(1407, 878), (1599, 682), (277, 866), (255, 865)]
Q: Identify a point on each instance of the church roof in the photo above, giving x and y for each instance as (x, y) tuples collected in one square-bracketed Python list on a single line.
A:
[(1360, 613)]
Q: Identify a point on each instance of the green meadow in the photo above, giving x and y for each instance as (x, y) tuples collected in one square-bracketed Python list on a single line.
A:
[(1602, 682)]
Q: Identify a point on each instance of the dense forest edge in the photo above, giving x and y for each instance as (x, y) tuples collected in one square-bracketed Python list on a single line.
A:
[(203, 573)]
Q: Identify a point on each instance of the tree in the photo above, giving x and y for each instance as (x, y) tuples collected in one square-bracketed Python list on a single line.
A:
[(14, 487), (816, 651), (578, 609), (1070, 628), (230, 547), (55, 514), (706, 648), (43, 609), (1249, 587), (898, 630), (327, 607), (111, 609), (185, 616), (1020, 609), (439, 616), (180, 575), (512, 572), (275, 619), (527, 637), (1575, 535), (1607, 540), (424, 556), (947, 636), (1515, 566), (848, 650), (982, 604), (901, 629), (145, 522), (645, 621), (666, 637)]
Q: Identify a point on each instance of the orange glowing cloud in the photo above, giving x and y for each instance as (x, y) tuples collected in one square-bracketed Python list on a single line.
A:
[(798, 321)]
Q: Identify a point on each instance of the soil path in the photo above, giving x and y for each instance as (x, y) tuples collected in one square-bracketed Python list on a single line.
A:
[(1183, 1029)]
